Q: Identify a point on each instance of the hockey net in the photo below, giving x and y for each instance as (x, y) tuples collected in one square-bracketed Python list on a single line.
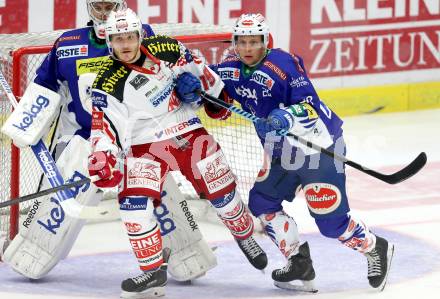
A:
[(21, 55)]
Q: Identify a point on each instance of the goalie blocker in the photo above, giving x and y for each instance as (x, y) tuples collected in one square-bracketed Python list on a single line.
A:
[(33, 116)]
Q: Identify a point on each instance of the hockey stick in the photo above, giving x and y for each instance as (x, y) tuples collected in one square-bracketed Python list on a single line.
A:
[(44, 192), (65, 196), (397, 177)]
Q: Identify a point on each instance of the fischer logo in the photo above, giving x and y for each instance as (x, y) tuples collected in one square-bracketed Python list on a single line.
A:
[(29, 116), (48, 164)]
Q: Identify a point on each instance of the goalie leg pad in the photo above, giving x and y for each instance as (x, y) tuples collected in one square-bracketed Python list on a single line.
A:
[(191, 256), (47, 234)]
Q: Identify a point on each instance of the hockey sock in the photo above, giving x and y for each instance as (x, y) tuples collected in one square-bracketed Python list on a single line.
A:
[(283, 231), (234, 214), (358, 237), (143, 231)]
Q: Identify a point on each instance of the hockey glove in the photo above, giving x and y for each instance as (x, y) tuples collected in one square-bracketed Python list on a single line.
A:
[(187, 85), (102, 164), (298, 118), (263, 127)]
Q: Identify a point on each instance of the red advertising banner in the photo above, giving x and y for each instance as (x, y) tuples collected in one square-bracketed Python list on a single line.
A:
[(13, 16), (335, 37), (366, 37)]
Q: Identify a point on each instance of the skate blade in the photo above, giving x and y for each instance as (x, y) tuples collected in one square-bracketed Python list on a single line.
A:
[(147, 294), (390, 254), (307, 286)]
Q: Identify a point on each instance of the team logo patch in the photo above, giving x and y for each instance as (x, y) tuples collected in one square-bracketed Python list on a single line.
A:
[(133, 227), (229, 73), (263, 79), (92, 65), (99, 99), (143, 173), (322, 198), (139, 81), (97, 120), (215, 172), (72, 51)]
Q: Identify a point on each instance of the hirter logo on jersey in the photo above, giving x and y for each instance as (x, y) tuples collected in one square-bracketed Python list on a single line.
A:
[(72, 51), (322, 198), (143, 173), (215, 172)]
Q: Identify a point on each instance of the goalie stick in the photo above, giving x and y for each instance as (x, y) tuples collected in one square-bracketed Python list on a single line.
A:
[(65, 196), (408, 171)]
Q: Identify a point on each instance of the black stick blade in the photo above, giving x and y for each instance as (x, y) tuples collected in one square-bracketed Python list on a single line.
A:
[(405, 173)]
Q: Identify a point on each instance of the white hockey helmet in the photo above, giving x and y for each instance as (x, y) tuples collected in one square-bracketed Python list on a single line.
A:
[(251, 24), (98, 14), (122, 21)]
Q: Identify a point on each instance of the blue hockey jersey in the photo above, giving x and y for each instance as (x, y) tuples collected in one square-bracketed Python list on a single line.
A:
[(279, 80), (74, 53)]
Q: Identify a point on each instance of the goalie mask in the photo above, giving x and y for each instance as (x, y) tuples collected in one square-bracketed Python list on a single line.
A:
[(122, 21), (99, 10)]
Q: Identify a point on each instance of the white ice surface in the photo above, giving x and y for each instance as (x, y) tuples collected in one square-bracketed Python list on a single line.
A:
[(406, 213)]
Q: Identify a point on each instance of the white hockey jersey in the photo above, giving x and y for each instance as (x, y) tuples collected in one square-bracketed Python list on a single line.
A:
[(136, 103)]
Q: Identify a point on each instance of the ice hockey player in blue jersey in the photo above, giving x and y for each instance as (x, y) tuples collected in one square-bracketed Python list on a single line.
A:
[(47, 234), (273, 84)]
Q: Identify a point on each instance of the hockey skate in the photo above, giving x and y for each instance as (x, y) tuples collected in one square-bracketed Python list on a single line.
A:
[(379, 262), (253, 252), (148, 284), (298, 274)]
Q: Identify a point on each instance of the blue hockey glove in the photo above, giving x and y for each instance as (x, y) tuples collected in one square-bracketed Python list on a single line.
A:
[(298, 118), (263, 127), (280, 119), (187, 85)]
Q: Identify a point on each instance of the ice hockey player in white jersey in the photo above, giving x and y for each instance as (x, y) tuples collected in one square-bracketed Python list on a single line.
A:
[(139, 120), (47, 234)]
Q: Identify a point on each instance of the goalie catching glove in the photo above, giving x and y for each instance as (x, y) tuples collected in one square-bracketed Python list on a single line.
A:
[(101, 164)]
